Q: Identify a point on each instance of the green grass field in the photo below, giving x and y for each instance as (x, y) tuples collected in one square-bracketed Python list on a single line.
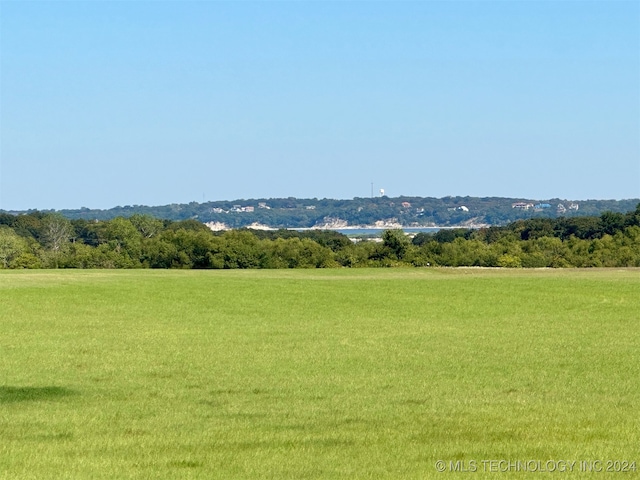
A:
[(317, 374)]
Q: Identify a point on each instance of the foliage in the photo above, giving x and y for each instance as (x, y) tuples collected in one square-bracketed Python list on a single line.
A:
[(408, 211), (49, 240), (12, 248)]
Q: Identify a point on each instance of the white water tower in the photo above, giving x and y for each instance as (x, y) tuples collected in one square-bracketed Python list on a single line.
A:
[(382, 192)]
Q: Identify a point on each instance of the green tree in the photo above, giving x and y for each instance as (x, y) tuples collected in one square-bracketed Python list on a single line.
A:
[(612, 222), (556, 253), (241, 249), (463, 252), (123, 238), (161, 252), (395, 242), (421, 238), (296, 253), (12, 247), (146, 225), (509, 261), (30, 225)]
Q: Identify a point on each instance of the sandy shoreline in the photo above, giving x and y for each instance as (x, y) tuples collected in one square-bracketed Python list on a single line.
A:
[(217, 227)]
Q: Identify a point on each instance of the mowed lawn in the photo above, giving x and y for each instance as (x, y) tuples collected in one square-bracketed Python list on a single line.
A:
[(315, 374)]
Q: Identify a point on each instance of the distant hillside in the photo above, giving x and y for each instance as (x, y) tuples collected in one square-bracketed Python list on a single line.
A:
[(378, 211)]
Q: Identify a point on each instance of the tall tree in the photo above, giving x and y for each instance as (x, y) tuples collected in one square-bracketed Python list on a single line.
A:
[(11, 246), (146, 225), (56, 232), (395, 241)]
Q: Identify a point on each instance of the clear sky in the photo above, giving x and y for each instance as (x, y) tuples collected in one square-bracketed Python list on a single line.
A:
[(107, 103)]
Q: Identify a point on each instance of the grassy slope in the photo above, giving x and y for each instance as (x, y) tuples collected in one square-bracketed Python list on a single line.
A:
[(314, 374)]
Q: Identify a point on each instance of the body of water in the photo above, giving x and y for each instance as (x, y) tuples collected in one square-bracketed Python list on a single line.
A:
[(354, 232)]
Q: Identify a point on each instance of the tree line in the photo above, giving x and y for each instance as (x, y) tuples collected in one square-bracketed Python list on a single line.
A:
[(406, 210), (50, 240)]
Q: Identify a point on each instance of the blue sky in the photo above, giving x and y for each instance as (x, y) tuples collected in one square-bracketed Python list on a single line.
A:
[(107, 103)]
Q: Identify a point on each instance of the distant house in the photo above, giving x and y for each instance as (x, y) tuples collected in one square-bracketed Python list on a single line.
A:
[(264, 205), (541, 206), (522, 205), (406, 205), (240, 208), (310, 207), (462, 208), (573, 206), (561, 208)]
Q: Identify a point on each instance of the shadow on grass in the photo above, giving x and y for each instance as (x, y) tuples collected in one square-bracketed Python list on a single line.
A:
[(32, 394)]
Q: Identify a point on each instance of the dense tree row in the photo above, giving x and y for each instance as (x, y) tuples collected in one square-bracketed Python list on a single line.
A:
[(49, 240), (302, 213)]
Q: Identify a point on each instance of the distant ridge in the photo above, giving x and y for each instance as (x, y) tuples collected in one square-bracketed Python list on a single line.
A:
[(383, 211)]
